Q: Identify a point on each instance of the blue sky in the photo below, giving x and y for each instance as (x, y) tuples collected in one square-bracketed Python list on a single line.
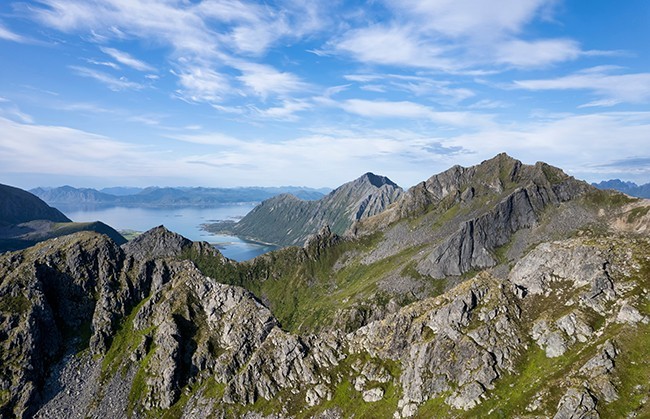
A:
[(227, 93)]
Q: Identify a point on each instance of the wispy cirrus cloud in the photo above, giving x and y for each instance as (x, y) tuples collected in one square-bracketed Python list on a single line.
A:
[(611, 88), (412, 110), (126, 59), (112, 82), (419, 86), (8, 35)]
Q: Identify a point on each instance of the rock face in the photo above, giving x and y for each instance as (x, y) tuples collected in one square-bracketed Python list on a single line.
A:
[(287, 220), (156, 327)]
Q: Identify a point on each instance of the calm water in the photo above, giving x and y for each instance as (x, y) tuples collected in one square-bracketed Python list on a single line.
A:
[(184, 221)]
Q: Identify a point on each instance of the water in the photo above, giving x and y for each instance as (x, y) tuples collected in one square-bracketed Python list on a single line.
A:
[(184, 221)]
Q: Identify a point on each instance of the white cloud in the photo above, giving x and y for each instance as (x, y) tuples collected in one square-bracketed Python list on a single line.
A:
[(111, 82), (613, 88), (575, 143), (202, 84), (47, 150), (126, 59), (470, 18), (203, 36), (458, 36), (412, 110), (264, 80), (104, 63), (287, 111), (538, 53), (8, 35), (392, 45)]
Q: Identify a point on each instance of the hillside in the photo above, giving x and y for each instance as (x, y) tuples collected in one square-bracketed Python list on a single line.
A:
[(26, 220), (630, 188), (499, 290), (18, 206), (287, 220)]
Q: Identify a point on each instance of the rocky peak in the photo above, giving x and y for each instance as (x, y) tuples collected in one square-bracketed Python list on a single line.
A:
[(157, 243), (376, 180), (317, 243)]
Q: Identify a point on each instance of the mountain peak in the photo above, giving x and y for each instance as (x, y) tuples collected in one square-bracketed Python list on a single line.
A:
[(157, 242), (376, 180)]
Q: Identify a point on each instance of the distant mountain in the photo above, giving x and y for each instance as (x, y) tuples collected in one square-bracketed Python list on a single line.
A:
[(166, 196), (289, 220), (630, 188), (68, 194), (121, 190), (26, 220)]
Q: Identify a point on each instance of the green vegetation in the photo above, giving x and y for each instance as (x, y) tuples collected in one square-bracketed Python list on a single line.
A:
[(605, 199), (130, 234), (125, 342), (636, 213), (632, 370), (349, 402), (14, 304)]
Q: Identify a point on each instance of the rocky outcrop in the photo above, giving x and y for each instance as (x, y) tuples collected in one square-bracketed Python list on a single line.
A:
[(581, 266)]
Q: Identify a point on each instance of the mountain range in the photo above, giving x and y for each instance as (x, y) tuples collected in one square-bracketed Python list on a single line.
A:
[(498, 290), (630, 188), (166, 196)]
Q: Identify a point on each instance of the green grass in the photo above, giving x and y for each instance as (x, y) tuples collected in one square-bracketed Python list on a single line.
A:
[(349, 401), (604, 199), (632, 369), (636, 213), (14, 304), (125, 341), (302, 292)]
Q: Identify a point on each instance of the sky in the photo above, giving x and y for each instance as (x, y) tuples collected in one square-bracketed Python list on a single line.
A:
[(225, 93)]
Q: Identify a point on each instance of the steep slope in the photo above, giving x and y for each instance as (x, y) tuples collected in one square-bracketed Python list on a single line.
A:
[(18, 206), (287, 220)]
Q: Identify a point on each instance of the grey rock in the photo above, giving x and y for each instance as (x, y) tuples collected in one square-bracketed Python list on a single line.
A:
[(577, 404), (630, 314), (373, 395)]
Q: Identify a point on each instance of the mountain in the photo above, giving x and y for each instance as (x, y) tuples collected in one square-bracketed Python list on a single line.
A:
[(165, 196), (289, 220), (120, 190), (498, 290), (68, 194), (26, 220), (18, 206), (630, 188)]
